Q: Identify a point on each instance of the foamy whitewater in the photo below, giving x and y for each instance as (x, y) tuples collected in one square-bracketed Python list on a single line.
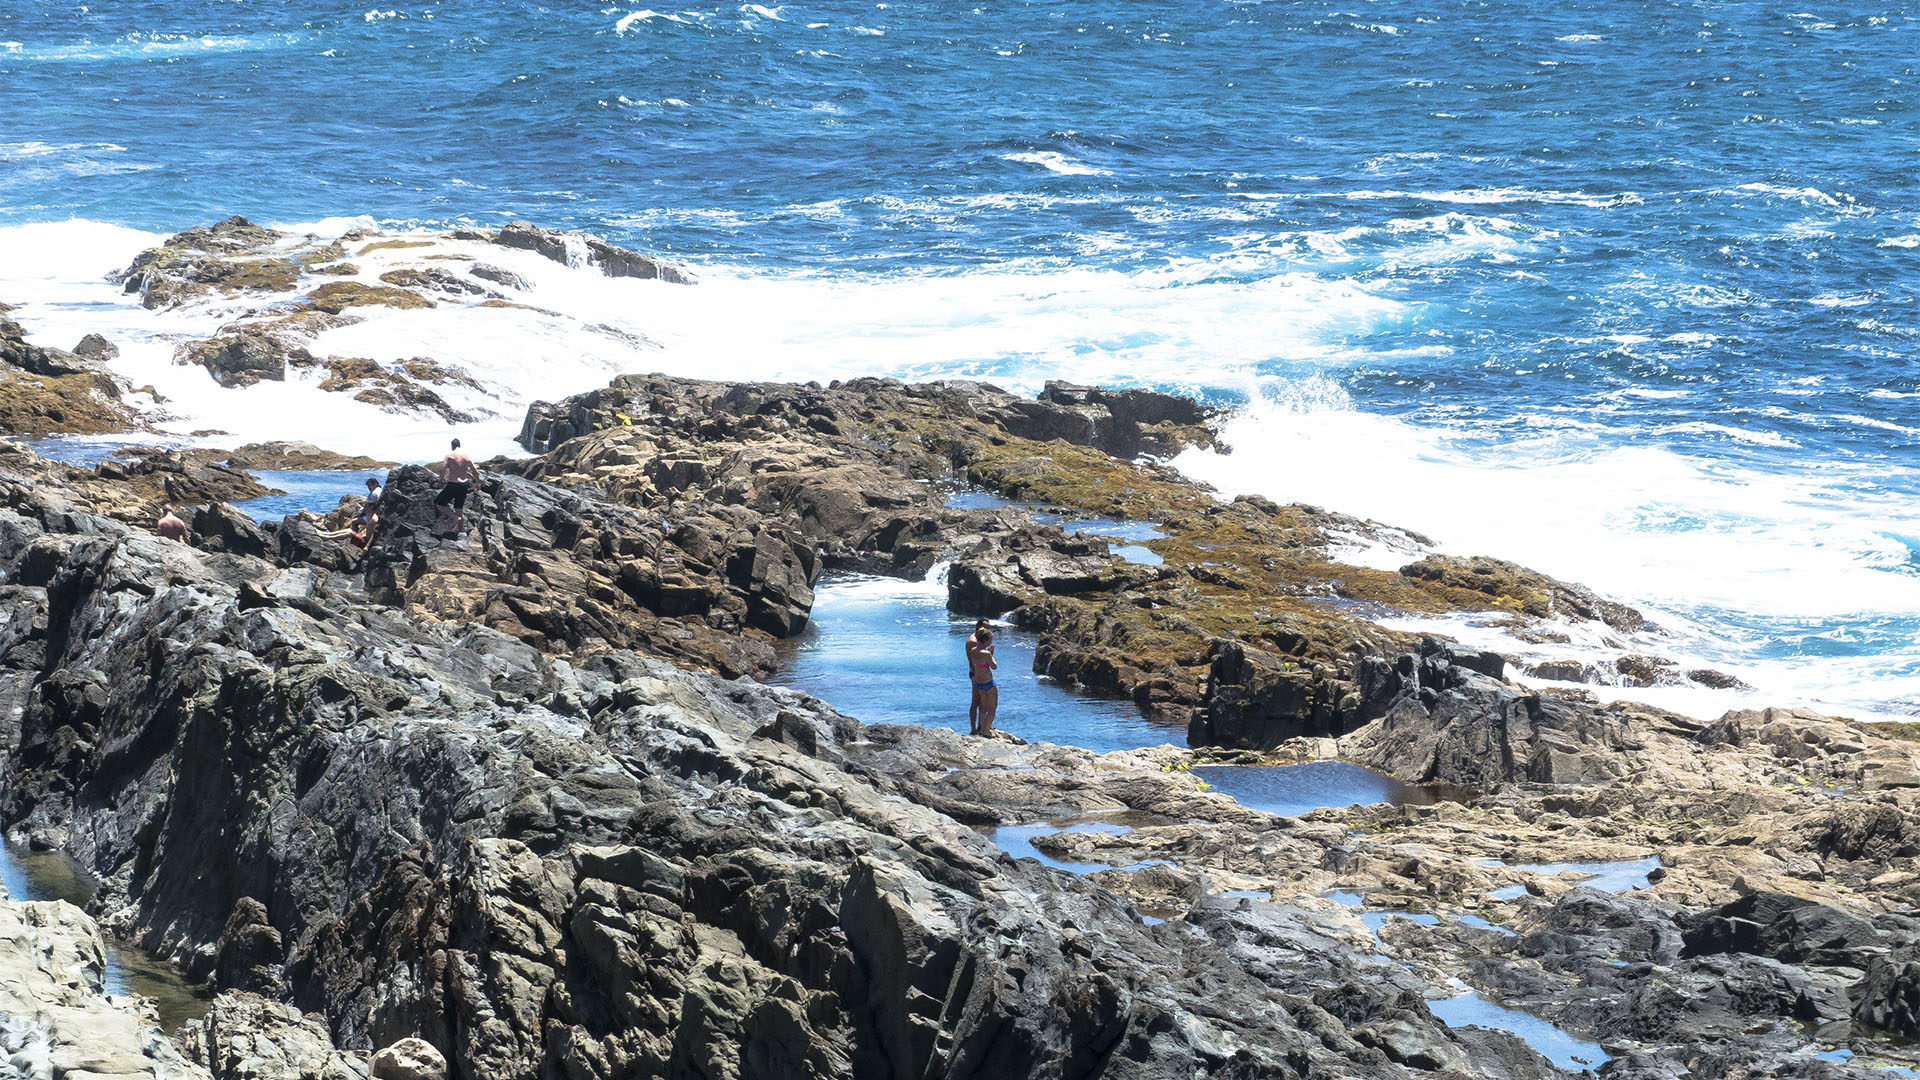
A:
[(1480, 276)]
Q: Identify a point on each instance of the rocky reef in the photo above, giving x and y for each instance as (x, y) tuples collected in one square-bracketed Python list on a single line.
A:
[(506, 802), (45, 389)]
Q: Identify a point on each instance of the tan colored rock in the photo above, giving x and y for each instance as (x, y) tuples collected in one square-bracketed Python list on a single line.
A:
[(410, 1059), (247, 1037), (338, 296), (58, 1022)]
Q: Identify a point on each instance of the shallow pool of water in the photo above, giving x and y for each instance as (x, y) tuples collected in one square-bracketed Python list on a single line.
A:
[(83, 450), (1292, 790), (884, 650), (1017, 841), (318, 490), (50, 875), (975, 499), (1557, 1046), (1374, 920), (1117, 528), (1622, 876)]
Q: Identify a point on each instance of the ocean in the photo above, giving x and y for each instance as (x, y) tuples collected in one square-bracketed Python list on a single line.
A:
[(1626, 292)]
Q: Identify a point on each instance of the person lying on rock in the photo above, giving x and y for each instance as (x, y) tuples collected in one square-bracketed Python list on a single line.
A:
[(973, 707), (171, 526), (459, 473), (355, 534), (980, 666), (370, 509)]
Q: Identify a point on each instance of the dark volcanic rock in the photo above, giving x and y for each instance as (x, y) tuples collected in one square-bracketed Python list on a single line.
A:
[(603, 868), (242, 358)]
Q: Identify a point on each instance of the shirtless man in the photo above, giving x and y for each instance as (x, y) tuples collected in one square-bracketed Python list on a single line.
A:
[(973, 709), (459, 473), (980, 668), (170, 526)]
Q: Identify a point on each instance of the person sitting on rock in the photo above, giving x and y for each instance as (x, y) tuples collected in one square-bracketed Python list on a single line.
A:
[(171, 526), (370, 509), (459, 473), (973, 708), (980, 666)]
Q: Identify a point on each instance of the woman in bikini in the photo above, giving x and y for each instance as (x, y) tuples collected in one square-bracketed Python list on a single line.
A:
[(981, 665)]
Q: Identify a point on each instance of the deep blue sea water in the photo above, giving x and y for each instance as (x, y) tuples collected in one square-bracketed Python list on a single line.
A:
[(1626, 291)]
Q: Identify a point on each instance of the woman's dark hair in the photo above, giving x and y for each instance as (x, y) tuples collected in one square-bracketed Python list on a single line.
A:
[(986, 635)]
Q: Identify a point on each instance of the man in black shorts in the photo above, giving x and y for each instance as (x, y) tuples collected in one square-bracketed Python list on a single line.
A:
[(459, 473)]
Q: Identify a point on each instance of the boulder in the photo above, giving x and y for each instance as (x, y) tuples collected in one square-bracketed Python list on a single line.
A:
[(410, 1059), (248, 1037), (242, 358)]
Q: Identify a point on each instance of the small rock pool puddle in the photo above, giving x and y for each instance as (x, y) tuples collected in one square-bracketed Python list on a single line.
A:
[(129, 969)]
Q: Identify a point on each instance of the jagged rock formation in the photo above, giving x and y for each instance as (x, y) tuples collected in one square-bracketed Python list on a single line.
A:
[(605, 868), (436, 791), (571, 247)]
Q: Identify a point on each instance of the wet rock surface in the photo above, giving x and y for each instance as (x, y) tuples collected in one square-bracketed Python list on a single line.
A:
[(571, 247)]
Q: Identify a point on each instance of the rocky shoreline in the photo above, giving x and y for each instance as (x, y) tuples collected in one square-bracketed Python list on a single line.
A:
[(513, 804)]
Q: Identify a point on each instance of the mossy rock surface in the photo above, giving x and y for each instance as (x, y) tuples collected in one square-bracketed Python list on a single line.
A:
[(338, 296)]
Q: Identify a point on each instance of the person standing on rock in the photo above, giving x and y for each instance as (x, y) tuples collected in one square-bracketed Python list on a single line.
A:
[(980, 668), (171, 526), (973, 707), (459, 473)]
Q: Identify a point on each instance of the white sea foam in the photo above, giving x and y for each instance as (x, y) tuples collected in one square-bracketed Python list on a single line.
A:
[(1016, 326), (1803, 194), (1642, 522), (634, 18), (1054, 161)]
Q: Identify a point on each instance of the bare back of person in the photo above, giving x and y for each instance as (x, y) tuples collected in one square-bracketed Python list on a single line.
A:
[(980, 669), (458, 474)]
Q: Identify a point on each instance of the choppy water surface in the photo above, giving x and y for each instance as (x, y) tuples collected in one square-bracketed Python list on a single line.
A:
[(1625, 292)]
